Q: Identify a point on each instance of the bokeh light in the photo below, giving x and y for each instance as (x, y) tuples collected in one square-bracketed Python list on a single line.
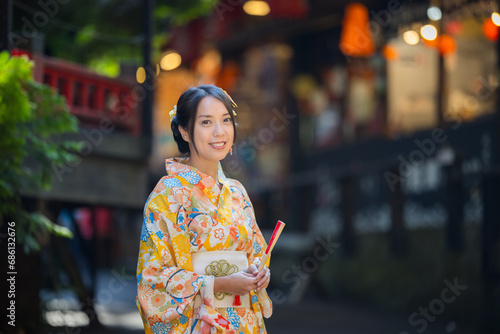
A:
[(495, 17), (428, 32), (140, 75), (411, 37), (171, 61), (256, 8), (434, 13)]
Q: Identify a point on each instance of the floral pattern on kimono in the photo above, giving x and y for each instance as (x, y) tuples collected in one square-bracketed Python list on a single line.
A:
[(184, 214)]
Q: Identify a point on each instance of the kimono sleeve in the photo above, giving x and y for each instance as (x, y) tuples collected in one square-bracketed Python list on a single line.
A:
[(165, 290)]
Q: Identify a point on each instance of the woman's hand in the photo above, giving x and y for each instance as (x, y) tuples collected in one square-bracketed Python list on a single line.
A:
[(263, 277), (241, 283)]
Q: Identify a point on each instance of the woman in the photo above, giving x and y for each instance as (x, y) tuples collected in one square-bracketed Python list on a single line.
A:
[(200, 244)]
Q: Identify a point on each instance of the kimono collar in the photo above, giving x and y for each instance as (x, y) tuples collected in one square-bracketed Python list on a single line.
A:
[(220, 198), (176, 166), (179, 166)]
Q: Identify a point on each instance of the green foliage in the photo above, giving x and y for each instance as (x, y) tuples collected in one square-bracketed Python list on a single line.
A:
[(183, 11), (104, 33), (32, 115), (108, 66)]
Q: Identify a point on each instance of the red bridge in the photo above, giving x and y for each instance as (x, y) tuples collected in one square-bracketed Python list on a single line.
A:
[(91, 97)]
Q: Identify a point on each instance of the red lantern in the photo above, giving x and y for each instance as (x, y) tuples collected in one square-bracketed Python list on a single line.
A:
[(490, 30), (356, 38)]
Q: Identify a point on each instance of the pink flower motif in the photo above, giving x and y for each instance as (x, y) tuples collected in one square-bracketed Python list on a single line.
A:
[(238, 217), (179, 196), (144, 292), (208, 182), (222, 321), (178, 168), (159, 187), (150, 271), (219, 233), (158, 300)]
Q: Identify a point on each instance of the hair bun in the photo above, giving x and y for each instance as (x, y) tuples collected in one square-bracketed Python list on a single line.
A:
[(182, 145)]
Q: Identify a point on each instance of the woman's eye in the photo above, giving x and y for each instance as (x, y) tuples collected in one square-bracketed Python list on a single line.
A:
[(205, 122), (228, 119)]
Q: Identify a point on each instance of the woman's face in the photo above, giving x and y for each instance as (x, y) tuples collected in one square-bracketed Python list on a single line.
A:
[(213, 131)]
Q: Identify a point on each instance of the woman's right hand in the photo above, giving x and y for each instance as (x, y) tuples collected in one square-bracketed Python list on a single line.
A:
[(239, 283)]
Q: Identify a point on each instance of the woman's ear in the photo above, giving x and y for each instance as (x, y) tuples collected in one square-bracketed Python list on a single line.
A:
[(184, 134)]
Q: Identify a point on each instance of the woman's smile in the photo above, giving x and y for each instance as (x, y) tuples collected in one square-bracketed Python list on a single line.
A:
[(218, 145)]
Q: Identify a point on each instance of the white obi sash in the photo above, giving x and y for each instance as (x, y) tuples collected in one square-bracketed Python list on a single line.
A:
[(218, 264)]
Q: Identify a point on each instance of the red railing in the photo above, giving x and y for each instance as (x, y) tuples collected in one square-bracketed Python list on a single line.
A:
[(91, 97)]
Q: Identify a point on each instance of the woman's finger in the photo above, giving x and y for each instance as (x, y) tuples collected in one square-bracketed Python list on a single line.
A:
[(252, 269), (262, 273), (265, 279)]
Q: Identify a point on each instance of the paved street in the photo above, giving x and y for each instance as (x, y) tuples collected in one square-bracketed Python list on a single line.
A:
[(119, 315)]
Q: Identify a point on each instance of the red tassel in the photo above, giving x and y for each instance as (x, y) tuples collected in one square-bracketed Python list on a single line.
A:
[(237, 300)]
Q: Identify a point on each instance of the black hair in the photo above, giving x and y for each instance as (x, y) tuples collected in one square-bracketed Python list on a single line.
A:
[(187, 106)]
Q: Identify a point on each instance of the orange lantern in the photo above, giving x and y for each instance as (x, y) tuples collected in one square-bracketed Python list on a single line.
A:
[(490, 30), (356, 38), (446, 45), (390, 52)]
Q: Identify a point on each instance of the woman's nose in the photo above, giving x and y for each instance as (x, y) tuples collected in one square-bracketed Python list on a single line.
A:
[(218, 129)]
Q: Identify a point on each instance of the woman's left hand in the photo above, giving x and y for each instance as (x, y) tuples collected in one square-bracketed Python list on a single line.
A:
[(263, 276)]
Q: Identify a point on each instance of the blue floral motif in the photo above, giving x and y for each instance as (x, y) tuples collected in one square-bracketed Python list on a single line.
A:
[(183, 319), (144, 232), (139, 277), (233, 317), (160, 328), (171, 182), (151, 218), (255, 299), (256, 247), (191, 177), (200, 281), (159, 234)]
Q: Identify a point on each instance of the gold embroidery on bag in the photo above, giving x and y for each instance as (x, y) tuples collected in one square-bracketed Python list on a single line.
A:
[(219, 269)]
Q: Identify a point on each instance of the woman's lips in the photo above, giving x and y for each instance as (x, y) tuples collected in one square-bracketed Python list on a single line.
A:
[(218, 145)]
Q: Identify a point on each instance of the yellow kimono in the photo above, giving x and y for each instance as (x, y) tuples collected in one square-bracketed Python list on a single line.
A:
[(187, 213)]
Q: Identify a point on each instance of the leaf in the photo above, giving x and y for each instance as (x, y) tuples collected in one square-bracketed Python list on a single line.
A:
[(50, 226), (4, 56)]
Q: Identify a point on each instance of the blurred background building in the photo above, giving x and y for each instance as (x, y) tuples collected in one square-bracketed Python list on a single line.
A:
[(371, 128)]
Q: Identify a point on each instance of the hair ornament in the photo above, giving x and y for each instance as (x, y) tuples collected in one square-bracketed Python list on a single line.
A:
[(172, 113), (234, 113), (232, 102)]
